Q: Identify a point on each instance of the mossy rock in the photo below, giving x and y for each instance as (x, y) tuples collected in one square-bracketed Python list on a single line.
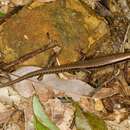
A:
[(27, 31)]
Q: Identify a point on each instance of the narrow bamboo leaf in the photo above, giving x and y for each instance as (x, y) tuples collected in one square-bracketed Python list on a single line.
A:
[(38, 125), (41, 115), (95, 122), (87, 120), (81, 121)]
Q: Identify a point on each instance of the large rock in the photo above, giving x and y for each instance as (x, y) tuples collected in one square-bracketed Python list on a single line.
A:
[(73, 28)]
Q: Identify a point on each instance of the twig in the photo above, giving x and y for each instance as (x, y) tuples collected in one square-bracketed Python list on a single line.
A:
[(8, 15), (27, 56), (126, 34)]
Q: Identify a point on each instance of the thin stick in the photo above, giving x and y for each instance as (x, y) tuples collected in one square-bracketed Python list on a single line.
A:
[(8, 15), (27, 56)]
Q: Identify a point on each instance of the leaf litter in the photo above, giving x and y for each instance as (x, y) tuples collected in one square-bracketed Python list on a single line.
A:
[(69, 104)]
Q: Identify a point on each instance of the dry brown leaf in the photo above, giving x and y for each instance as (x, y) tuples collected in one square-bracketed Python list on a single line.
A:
[(87, 104), (62, 114), (4, 116), (45, 0), (108, 104), (118, 115), (16, 121), (107, 92), (26, 107), (124, 85), (9, 96), (99, 105), (44, 92), (20, 2)]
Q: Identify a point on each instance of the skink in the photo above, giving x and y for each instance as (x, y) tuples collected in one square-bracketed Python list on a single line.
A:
[(89, 64)]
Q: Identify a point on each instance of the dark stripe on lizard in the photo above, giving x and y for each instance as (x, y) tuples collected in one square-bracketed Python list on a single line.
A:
[(89, 64)]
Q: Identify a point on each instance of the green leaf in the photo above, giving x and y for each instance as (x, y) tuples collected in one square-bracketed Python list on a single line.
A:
[(38, 125), (81, 121), (41, 116), (88, 121), (95, 122), (2, 14)]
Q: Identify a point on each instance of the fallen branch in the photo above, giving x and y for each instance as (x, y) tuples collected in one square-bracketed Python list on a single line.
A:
[(10, 14), (27, 56)]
